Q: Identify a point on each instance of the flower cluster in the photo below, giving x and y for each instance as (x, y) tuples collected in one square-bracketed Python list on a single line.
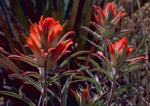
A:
[(119, 51), (47, 46), (45, 42), (107, 16)]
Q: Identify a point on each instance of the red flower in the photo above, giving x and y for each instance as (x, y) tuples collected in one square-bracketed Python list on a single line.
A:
[(85, 93), (45, 42), (107, 16), (119, 51)]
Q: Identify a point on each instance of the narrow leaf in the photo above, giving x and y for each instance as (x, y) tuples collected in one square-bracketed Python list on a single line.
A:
[(104, 60), (92, 32), (103, 71), (15, 95), (90, 60), (122, 32), (30, 73), (94, 44), (134, 68), (98, 27), (65, 89), (73, 55), (98, 99), (98, 87), (25, 59)]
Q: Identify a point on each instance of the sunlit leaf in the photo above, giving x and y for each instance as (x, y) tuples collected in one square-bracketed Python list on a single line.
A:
[(98, 27)]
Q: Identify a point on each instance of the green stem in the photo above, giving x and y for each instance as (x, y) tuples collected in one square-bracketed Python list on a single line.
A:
[(112, 89), (105, 49), (44, 103), (43, 72)]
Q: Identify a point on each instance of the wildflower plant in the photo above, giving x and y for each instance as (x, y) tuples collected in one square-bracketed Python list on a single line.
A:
[(119, 52), (91, 78), (47, 47)]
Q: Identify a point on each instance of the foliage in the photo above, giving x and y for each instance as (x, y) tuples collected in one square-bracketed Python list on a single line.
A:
[(107, 60)]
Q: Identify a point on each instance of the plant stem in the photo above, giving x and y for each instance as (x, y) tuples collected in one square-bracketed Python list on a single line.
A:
[(44, 89), (112, 90), (105, 49), (43, 72)]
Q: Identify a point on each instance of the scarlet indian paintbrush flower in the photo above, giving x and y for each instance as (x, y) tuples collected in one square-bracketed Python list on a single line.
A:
[(45, 42), (107, 16), (83, 97), (119, 52)]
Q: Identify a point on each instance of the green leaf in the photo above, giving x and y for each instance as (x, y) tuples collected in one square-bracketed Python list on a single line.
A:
[(94, 44), (15, 95), (98, 99), (28, 81), (36, 85), (126, 96), (122, 32), (24, 58), (134, 68), (53, 79), (85, 18), (9, 65), (77, 96), (92, 32), (98, 87), (60, 11), (73, 13), (104, 60), (53, 94), (103, 71), (30, 73), (90, 60), (65, 89), (73, 55), (98, 27)]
